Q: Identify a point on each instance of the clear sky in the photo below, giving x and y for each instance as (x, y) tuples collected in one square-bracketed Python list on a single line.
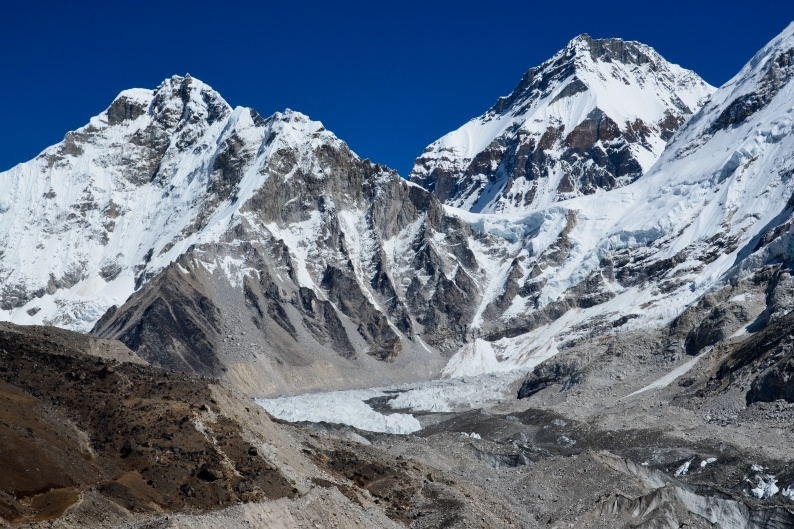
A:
[(387, 77)]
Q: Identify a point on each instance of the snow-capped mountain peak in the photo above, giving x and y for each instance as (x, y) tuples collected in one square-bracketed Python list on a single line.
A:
[(595, 116), (175, 223)]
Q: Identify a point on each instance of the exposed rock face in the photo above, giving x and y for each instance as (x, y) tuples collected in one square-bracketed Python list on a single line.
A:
[(594, 117), (371, 324), (763, 364), (717, 316), (776, 384), (564, 372), (172, 324), (778, 72)]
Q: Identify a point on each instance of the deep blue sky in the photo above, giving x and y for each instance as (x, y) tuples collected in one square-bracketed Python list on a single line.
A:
[(387, 77)]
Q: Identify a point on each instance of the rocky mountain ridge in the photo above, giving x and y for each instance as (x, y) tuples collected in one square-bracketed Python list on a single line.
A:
[(195, 224), (215, 241)]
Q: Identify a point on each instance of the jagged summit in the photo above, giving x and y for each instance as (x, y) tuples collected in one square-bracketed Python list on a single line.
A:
[(595, 116), (578, 55), (176, 98), (614, 49)]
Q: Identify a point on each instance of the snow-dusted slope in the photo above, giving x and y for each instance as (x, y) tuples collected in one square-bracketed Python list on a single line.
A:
[(715, 209), (595, 116)]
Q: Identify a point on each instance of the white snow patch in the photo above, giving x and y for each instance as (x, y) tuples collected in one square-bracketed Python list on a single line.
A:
[(765, 486), (788, 492), (683, 469), (669, 377), (341, 407)]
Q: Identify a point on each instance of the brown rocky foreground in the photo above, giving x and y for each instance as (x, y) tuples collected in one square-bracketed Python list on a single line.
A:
[(92, 436)]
